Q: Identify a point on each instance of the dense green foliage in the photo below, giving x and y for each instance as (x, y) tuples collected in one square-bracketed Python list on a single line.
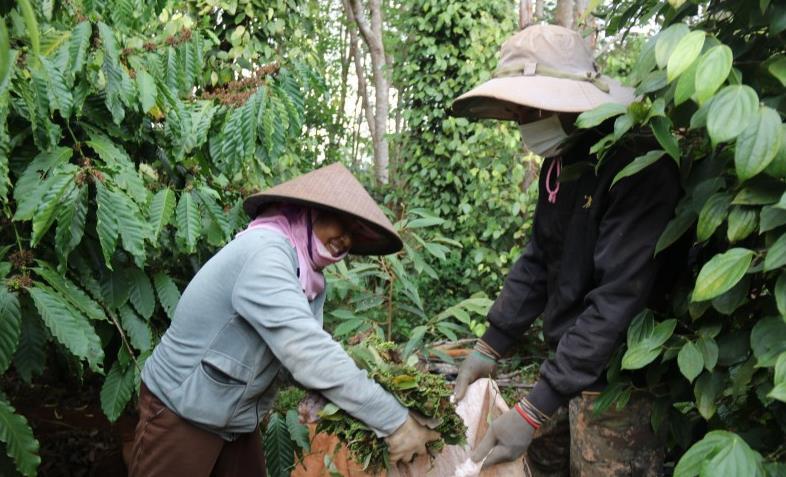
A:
[(383, 295), (713, 86), (471, 174), (285, 437), (129, 135), (122, 164), (131, 129)]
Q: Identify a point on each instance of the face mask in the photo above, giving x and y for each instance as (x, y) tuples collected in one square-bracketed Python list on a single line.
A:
[(321, 255), (543, 137)]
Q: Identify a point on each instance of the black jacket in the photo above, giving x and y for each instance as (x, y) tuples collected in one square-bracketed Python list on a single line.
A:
[(588, 268)]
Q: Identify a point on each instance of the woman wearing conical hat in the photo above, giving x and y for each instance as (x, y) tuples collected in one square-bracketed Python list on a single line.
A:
[(252, 309)]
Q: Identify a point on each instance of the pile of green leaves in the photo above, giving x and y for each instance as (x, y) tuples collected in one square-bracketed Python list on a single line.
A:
[(425, 393)]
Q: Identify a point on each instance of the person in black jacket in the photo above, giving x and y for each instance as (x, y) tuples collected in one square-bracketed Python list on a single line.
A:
[(588, 269)]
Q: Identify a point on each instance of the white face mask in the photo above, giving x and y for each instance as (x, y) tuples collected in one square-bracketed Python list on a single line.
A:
[(543, 137)]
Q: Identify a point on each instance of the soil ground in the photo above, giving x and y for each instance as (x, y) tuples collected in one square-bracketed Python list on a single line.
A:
[(76, 439)]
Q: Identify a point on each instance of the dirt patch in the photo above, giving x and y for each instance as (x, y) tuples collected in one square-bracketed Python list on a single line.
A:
[(76, 439)]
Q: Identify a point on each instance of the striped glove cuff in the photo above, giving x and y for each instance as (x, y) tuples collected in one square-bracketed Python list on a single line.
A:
[(483, 348), (530, 413)]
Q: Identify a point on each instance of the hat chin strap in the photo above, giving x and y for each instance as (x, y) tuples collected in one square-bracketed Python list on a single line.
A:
[(531, 68)]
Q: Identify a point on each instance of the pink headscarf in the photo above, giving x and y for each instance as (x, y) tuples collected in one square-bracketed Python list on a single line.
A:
[(296, 224)]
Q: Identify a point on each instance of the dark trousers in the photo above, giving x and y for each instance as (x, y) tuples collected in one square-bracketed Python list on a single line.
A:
[(166, 445), (577, 442)]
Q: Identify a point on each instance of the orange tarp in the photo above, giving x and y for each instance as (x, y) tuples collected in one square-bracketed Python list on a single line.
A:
[(313, 464)]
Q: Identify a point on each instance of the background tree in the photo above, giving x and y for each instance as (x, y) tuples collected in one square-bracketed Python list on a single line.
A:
[(371, 30), (563, 13), (128, 136), (525, 13), (469, 173)]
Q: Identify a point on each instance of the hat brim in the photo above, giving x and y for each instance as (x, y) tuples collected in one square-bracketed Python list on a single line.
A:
[(372, 239), (500, 98)]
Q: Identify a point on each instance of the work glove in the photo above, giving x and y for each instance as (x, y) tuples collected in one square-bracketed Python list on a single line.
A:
[(409, 440), (506, 439), (481, 363)]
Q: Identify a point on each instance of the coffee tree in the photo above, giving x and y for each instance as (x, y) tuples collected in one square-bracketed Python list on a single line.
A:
[(469, 173), (123, 161), (712, 88)]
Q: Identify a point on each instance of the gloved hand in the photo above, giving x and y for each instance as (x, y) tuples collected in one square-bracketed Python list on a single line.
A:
[(507, 439), (409, 440), (477, 365)]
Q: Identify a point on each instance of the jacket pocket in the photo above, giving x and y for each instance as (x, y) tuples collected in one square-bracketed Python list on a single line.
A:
[(211, 394)]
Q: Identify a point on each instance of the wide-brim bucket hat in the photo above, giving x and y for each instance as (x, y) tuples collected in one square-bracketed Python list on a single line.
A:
[(546, 67), (335, 189)]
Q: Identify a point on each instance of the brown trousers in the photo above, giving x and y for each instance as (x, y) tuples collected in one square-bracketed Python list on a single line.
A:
[(577, 442), (166, 445)]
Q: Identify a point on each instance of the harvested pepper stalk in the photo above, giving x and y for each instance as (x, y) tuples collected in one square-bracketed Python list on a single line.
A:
[(417, 390)]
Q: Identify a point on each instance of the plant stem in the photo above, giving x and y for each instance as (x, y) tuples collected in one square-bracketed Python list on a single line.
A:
[(391, 286), (124, 339), (8, 214), (390, 310)]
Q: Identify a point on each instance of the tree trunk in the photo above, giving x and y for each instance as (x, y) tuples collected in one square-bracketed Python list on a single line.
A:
[(579, 7), (587, 23), (538, 10), (564, 13), (357, 119), (525, 14), (371, 32), (341, 118), (533, 168), (395, 153), (357, 57)]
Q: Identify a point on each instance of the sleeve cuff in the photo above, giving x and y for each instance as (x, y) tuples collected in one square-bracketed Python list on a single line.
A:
[(545, 398), (395, 424), (497, 339), (383, 413)]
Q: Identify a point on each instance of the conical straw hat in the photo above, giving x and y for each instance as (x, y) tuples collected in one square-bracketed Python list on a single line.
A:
[(334, 188)]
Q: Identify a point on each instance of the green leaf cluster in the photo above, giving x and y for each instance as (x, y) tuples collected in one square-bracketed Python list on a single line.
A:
[(711, 83), (279, 446), (473, 175), (385, 294), (123, 162)]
